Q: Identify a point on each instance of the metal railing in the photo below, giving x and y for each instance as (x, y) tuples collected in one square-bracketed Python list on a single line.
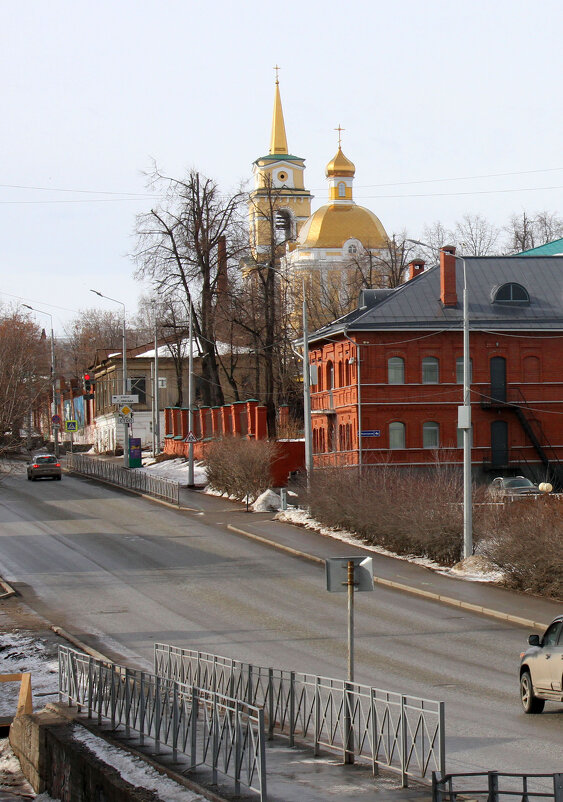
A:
[(495, 784), (402, 733), (211, 728), (131, 479)]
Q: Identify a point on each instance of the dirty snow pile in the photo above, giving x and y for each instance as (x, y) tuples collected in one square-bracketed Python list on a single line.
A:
[(175, 469), (134, 770), (21, 653)]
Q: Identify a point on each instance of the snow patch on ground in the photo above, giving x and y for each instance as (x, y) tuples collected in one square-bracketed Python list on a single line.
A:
[(475, 568), (134, 770), (19, 654), (175, 469)]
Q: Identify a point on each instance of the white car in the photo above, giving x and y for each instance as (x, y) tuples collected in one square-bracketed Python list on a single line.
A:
[(541, 669)]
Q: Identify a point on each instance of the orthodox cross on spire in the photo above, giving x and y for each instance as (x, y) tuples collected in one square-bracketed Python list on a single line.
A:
[(339, 129), (277, 69)]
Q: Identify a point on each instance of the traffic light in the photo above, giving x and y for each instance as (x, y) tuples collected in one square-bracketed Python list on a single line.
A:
[(88, 383)]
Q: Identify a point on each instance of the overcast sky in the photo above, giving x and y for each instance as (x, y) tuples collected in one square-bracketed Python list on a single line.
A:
[(93, 92)]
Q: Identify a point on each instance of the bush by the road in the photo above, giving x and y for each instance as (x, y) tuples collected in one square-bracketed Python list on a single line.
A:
[(239, 468), (422, 514), (525, 539), (405, 513)]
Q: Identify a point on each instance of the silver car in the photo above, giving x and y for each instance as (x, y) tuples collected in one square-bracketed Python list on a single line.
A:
[(44, 465), (541, 669)]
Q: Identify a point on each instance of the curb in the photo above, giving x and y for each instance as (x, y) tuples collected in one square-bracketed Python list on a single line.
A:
[(427, 594), (8, 590), (62, 633)]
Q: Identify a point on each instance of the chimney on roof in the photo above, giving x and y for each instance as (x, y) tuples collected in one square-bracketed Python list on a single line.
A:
[(415, 266), (448, 294)]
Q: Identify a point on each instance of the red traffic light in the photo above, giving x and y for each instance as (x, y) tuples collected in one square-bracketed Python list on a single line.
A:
[(86, 377)]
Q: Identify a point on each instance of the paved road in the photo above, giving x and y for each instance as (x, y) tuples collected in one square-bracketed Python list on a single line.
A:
[(121, 572)]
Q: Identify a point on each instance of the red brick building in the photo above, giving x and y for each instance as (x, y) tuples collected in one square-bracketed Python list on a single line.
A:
[(390, 373)]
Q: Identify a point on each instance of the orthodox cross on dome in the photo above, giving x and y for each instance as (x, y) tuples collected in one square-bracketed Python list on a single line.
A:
[(339, 129), (277, 69)]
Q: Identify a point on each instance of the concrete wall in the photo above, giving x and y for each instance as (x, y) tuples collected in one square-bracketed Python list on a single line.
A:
[(53, 761)]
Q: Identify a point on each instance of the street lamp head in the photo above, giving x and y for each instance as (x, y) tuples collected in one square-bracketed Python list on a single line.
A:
[(97, 293), (27, 306)]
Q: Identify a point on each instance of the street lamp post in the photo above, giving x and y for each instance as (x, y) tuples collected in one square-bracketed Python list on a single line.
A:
[(124, 355), (464, 415), (54, 426)]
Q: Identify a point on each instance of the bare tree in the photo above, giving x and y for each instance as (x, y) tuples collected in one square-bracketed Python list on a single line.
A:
[(25, 376), (475, 236), (90, 337), (527, 231), (178, 250)]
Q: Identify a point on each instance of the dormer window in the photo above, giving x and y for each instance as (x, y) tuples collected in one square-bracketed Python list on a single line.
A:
[(352, 249), (510, 293)]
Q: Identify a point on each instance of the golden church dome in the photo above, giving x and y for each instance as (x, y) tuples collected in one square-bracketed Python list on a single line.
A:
[(340, 165), (333, 224)]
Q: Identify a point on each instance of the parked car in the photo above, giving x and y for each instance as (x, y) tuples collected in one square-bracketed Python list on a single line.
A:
[(44, 465), (513, 486), (541, 669)]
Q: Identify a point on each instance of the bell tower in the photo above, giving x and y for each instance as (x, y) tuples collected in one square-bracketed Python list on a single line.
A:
[(279, 202)]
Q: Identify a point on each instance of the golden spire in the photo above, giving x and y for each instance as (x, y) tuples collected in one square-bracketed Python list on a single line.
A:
[(339, 129), (278, 140)]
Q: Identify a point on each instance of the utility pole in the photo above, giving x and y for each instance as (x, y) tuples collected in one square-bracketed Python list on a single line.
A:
[(156, 402), (307, 396), (191, 400)]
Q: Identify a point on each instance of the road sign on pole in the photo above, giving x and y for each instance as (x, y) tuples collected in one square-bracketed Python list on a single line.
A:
[(191, 438), (125, 398), (71, 426), (56, 419)]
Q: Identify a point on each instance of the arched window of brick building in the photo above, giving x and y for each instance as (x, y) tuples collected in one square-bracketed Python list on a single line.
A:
[(531, 369), (329, 375), (341, 374), (396, 435), (347, 380), (396, 370)]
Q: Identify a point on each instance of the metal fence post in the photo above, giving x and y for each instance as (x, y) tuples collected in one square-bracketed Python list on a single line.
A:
[(175, 722), (374, 751), (238, 745), (193, 740), (317, 703), (214, 738), (127, 703), (442, 737), (112, 696), (157, 714), (436, 786), (493, 786), (142, 710), (403, 744), (262, 756), (270, 703), (292, 708), (558, 787), (100, 699), (90, 682)]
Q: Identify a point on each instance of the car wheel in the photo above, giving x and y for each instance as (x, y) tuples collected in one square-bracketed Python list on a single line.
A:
[(530, 703), (28, 478), (58, 478)]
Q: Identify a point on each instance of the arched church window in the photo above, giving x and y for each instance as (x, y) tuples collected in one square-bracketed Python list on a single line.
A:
[(341, 189), (282, 224), (352, 249)]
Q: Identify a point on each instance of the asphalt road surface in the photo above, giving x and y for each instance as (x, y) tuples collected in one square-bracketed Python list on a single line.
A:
[(120, 572)]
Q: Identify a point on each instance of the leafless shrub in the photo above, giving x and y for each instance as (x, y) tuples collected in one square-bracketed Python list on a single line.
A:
[(525, 539), (240, 468), (405, 513)]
